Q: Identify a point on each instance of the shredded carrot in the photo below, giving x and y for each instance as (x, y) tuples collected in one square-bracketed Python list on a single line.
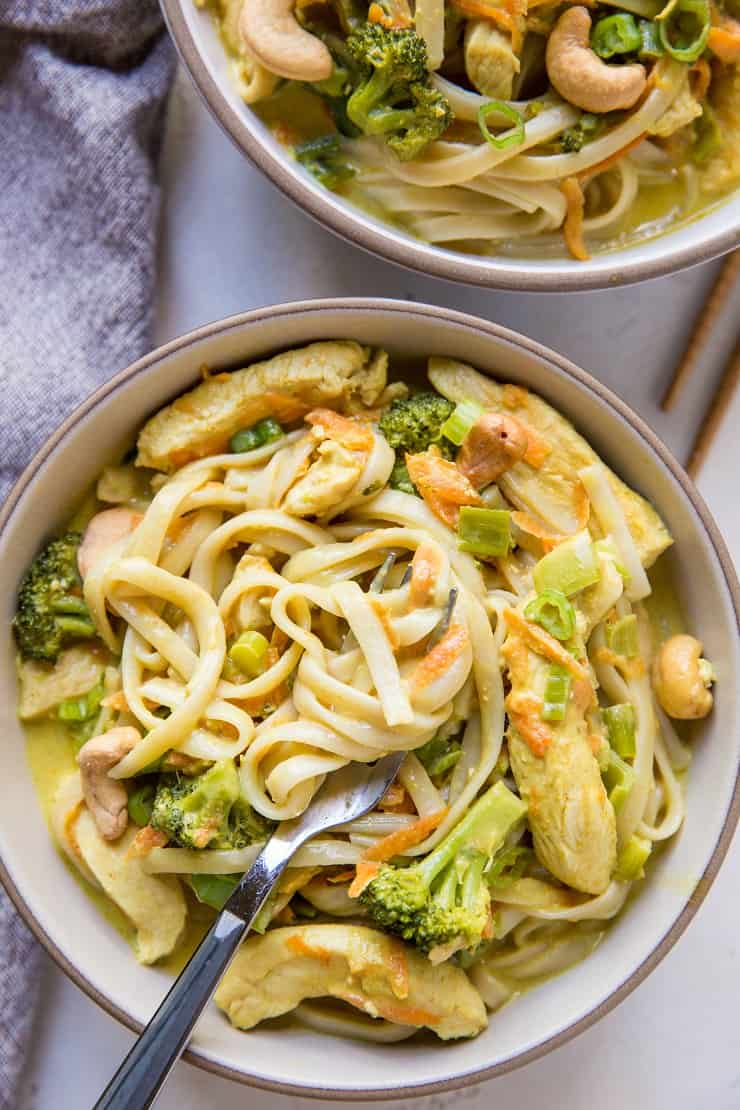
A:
[(571, 189), (532, 527), (533, 731), (146, 839), (115, 701), (299, 946), (482, 10), (400, 841), (442, 485), (442, 656), (404, 1014), (724, 41), (376, 14), (550, 539), (425, 569), (386, 622), (607, 163), (517, 9), (400, 1012), (544, 644), (350, 433), (398, 14), (343, 875), (398, 966), (537, 448), (366, 872), (700, 76)]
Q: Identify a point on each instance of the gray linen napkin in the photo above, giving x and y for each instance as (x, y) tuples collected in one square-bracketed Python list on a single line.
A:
[(83, 85)]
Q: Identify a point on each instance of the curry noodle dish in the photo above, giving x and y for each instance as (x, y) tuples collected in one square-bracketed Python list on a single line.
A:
[(508, 127), (301, 566)]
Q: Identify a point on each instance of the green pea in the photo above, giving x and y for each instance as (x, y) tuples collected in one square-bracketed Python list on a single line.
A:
[(248, 439)]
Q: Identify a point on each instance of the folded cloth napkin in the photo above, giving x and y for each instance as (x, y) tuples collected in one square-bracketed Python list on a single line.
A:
[(83, 85)]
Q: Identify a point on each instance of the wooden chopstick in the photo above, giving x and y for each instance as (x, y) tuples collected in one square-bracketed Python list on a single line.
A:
[(703, 326), (715, 414)]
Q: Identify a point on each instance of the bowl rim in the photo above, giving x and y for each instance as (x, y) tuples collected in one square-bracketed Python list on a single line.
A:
[(583, 380), (383, 241)]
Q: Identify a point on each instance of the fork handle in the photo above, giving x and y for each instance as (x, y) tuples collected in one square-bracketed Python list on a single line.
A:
[(140, 1077)]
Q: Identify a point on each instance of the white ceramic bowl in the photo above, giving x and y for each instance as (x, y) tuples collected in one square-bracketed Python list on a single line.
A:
[(714, 232), (294, 1059)]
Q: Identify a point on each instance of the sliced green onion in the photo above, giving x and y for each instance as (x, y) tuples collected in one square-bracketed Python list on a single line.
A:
[(621, 636), (214, 890), (647, 9), (83, 708), (248, 439), (569, 567), (557, 692), (650, 44), (141, 803), (632, 859), (484, 532), (608, 547), (512, 138), (248, 653), (552, 610), (458, 424), (684, 30), (615, 34), (439, 755), (621, 727), (619, 779)]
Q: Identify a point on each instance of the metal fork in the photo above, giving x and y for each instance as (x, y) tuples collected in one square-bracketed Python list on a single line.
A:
[(345, 795)]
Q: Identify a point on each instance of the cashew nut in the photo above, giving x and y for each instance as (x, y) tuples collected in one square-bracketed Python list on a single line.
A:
[(276, 39), (580, 76), (104, 530), (492, 446), (106, 798), (681, 678)]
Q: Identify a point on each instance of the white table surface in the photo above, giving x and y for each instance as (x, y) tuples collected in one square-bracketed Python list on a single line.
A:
[(230, 242)]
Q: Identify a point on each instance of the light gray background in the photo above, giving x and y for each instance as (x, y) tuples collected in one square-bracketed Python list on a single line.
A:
[(230, 241)]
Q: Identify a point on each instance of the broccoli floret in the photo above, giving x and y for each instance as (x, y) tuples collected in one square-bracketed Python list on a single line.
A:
[(51, 611), (400, 478), (584, 131), (206, 810), (413, 424), (443, 901), (394, 98), (322, 158), (246, 826)]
